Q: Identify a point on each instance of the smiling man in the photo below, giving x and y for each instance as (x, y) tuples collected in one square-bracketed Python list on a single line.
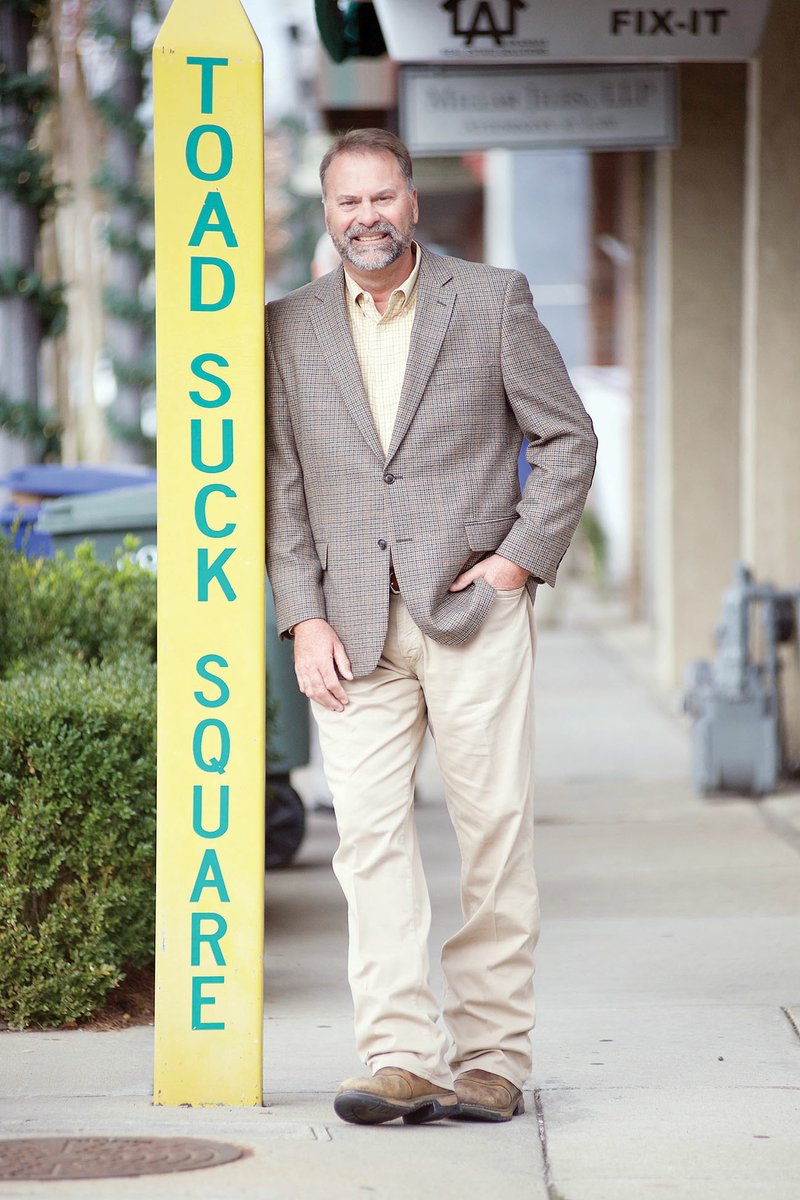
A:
[(405, 562), (371, 248)]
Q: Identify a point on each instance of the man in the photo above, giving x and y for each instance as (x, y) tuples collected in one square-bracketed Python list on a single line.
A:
[(404, 563)]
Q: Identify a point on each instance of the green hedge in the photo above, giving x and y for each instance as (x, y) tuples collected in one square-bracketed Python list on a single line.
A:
[(77, 782), (94, 610)]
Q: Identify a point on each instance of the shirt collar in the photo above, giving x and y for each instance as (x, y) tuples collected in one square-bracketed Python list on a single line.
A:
[(406, 287)]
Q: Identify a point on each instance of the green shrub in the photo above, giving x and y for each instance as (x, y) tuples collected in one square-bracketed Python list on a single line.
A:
[(93, 609), (77, 824), (77, 781)]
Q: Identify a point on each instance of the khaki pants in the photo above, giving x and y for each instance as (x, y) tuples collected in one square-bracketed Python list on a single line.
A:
[(477, 700)]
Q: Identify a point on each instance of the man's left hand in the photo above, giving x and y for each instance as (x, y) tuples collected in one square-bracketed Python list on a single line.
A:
[(500, 573)]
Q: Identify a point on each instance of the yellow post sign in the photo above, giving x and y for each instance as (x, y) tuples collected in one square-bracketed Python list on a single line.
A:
[(209, 190)]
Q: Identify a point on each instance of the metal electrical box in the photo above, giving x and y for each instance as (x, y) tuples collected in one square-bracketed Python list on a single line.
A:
[(735, 701)]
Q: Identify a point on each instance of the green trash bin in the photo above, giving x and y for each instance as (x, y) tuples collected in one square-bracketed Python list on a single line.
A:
[(105, 518), (289, 733), (287, 745)]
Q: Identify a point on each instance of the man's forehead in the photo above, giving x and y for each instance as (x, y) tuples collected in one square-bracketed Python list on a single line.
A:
[(360, 167)]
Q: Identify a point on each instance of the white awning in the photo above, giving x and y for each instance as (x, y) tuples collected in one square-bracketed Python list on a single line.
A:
[(569, 31)]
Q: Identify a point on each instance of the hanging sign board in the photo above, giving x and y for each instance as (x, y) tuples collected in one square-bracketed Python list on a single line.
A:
[(569, 30), (456, 110)]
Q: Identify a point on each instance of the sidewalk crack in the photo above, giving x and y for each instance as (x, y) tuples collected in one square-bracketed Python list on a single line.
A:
[(552, 1191), (790, 1017)]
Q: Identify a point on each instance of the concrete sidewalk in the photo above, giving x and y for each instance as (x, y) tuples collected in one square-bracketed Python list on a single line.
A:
[(667, 1055)]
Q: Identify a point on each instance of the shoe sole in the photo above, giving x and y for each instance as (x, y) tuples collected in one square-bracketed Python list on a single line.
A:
[(364, 1108), (482, 1112)]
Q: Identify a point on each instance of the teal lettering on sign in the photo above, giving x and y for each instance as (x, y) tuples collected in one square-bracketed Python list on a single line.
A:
[(226, 453), (224, 146), (214, 572), (212, 939), (199, 268), (200, 516), (198, 365), (210, 154), (206, 66), (204, 673), (209, 875), (198, 809), (198, 1000), (213, 218), (214, 765)]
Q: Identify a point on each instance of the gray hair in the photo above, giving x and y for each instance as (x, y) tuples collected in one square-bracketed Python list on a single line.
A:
[(369, 141)]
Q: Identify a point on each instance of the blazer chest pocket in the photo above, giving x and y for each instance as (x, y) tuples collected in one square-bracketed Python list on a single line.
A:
[(487, 535), (322, 554)]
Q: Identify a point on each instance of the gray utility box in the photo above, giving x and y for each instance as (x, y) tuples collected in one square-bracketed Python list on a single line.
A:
[(736, 700), (104, 518), (735, 738)]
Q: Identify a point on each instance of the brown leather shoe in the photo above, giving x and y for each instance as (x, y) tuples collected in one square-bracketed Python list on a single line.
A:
[(483, 1096), (390, 1093)]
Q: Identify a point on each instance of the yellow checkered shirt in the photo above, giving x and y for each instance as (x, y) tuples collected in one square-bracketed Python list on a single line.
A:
[(382, 346)]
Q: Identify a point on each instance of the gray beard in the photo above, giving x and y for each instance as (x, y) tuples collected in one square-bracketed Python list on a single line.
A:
[(377, 259)]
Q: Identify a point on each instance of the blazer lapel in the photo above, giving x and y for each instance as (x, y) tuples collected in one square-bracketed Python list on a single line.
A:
[(332, 329), (436, 295)]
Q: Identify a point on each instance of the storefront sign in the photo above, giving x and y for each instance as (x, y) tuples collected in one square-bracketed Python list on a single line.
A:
[(455, 110), (569, 30)]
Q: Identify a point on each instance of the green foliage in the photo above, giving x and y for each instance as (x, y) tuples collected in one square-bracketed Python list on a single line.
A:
[(97, 611), (77, 781), (138, 374), (301, 220), (133, 434), (77, 833), (130, 243), (129, 195), (26, 178), (120, 118), (118, 39), (595, 537), (48, 299), (22, 419), (126, 307), (29, 92), (130, 239), (37, 10)]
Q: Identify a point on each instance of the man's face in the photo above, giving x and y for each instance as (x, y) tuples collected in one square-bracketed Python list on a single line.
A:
[(369, 212)]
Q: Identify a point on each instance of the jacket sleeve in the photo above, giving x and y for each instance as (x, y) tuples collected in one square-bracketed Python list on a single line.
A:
[(294, 569), (562, 445)]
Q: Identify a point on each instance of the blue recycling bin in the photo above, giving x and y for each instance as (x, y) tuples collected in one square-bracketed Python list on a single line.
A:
[(44, 483), (18, 525), (39, 481)]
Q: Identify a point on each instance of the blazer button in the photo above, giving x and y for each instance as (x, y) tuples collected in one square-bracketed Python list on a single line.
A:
[(388, 478), (382, 544)]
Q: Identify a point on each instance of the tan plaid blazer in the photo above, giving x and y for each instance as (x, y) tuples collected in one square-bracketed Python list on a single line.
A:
[(482, 370)]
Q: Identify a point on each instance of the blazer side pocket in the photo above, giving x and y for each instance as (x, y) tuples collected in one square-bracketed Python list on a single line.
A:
[(487, 535)]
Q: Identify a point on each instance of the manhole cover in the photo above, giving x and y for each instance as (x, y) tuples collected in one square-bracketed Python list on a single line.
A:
[(102, 1158)]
